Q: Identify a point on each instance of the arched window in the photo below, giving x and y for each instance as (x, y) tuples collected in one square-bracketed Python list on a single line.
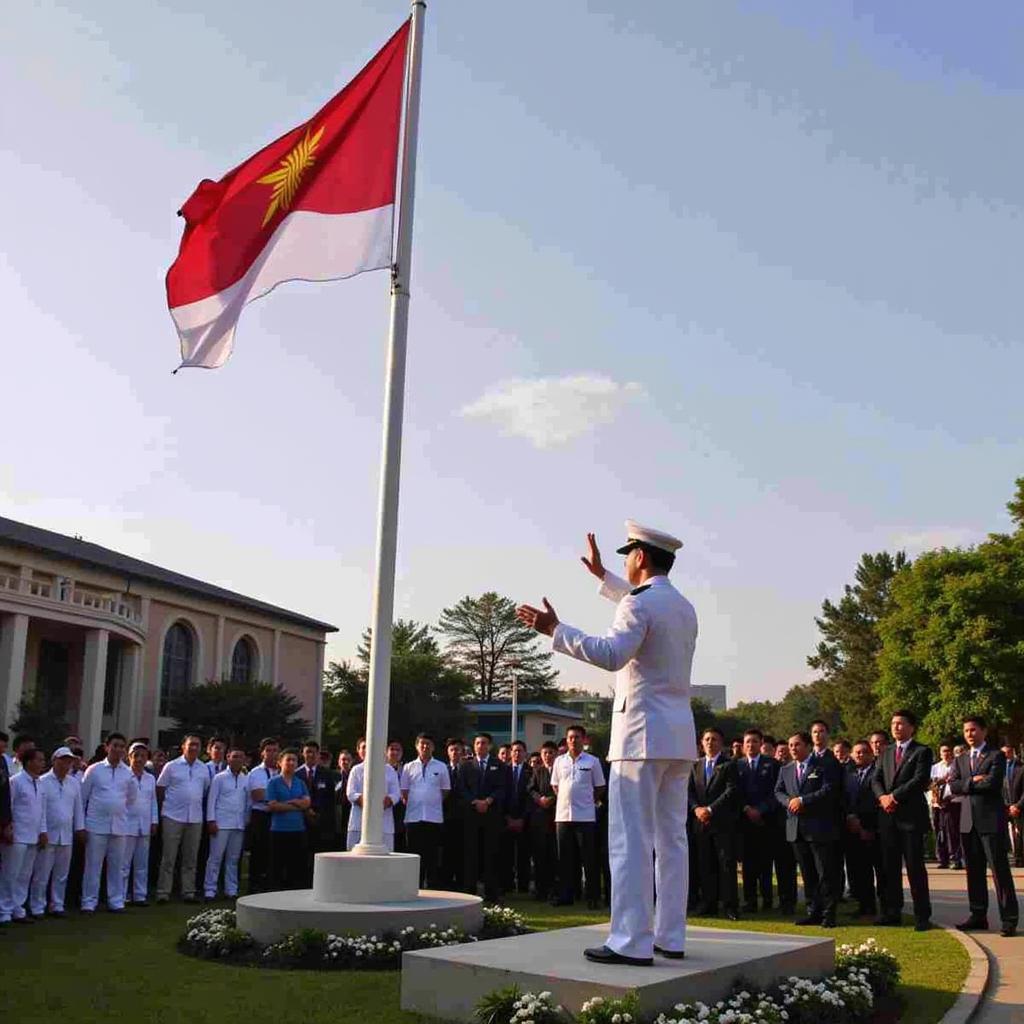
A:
[(176, 678), (243, 661)]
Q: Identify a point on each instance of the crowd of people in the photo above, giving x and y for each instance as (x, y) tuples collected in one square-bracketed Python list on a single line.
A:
[(133, 825)]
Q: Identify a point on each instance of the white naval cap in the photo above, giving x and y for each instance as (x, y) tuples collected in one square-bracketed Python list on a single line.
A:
[(61, 752), (638, 534)]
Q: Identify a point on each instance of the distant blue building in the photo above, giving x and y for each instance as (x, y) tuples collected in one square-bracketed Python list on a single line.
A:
[(535, 722)]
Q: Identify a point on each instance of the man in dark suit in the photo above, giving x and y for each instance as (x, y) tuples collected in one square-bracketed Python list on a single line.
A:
[(1013, 797), (542, 823), (860, 840), (320, 820), (759, 808), (482, 789), (715, 802), (454, 834), (6, 830), (901, 780), (516, 845), (978, 776), (342, 804), (807, 789)]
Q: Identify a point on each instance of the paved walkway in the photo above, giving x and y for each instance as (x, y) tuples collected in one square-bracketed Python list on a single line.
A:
[(1004, 1001)]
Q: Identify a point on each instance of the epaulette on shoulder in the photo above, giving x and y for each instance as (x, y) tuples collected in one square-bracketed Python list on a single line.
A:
[(639, 590)]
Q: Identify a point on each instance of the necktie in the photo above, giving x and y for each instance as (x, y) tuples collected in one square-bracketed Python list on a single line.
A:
[(800, 772), (515, 775), (974, 761), (709, 767), (899, 754)]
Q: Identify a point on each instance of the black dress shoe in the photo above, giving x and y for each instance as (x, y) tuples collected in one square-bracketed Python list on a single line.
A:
[(1008, 930), (731, 915), (973, 924), (888, 921), (604, 955), (809, 920), (923, 926), (670, 954)]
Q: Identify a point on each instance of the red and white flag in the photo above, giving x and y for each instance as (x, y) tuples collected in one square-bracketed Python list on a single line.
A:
[(316, 205)]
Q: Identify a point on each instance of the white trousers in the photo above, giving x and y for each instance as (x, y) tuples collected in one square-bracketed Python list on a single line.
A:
[(354, 837), (647, 849), (100, 846), (136, 863), (51, 870), (226, 847), (19, 859)]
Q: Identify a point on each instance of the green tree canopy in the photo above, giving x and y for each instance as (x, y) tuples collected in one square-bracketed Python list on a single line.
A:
[(490, 645)]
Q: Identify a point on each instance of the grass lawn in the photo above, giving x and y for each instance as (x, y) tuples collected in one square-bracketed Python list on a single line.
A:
[(89, 971)]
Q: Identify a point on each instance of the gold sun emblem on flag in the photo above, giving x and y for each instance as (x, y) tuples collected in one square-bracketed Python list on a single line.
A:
[(287, 178)]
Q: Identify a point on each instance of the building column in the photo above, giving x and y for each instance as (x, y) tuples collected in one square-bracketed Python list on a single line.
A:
[(275, 659), (218, 665), (94, 679), (13, 640), (318, 714), (128, 714)]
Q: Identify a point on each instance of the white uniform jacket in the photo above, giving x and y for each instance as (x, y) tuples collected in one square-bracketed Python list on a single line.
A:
[(392, 788), (143, 814), (650, 646), (28, 808), (64, 813), (107, 793), (228, 803)]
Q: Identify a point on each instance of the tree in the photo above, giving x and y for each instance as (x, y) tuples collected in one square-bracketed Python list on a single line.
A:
[(242, 712), (42, 717), (847, 656), (427, 694), (489, 644)]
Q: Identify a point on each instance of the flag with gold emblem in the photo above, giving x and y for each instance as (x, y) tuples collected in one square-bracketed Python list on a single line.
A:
[(316, 205)]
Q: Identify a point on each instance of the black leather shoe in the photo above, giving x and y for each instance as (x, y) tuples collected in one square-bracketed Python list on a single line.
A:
[(973, 924), (812, 919), (731, 915), (604, 955), (923, 926), (670, 954), (1008, 930), (888, 921), (828, 922)]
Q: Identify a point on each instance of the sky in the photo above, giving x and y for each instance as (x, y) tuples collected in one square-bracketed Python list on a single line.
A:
[(745, 272)]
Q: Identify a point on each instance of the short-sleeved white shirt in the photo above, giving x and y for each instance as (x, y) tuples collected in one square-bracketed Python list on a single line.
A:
[(258, 778), (575, 782), (184, 786), (426, 785)]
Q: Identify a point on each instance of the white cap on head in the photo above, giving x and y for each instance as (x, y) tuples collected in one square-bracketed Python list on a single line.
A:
[(639, 534), (138, 745), (61, 752)]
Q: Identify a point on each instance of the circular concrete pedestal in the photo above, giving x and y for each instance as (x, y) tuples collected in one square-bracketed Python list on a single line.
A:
[(360, 895)]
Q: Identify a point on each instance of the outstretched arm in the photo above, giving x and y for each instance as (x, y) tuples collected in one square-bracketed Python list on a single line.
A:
[(615, 648), (612, 587)]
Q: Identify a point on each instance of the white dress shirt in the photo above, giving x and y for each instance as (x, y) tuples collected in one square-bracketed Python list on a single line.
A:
[(107, 793), (650, 647), (28, 808), (143, 814), (184, 786), (229, 800), (574, 783), (258, 779), (64, 813), (354, 789), (426, 785)]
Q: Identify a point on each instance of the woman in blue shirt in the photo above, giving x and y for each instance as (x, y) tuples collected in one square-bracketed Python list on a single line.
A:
[(287, 801)]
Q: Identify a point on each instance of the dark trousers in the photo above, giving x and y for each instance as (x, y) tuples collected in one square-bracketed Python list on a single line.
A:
[(515, 859), (577, 847), (320, 838), (717, 858), (452, 854), (287, 860), (424, 839), (819, 868), (696, 895), (757, 862), (785, 867), (482, 837), (981, 849), (946, 824), (545, 854), (864, 870), (899, 847), (259, 851)]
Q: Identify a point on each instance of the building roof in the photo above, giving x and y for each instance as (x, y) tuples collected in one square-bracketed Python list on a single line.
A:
[(32, 537), (522, 709)]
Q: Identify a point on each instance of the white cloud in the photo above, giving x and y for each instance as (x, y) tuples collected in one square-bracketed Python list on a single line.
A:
[(936, 537), (550, 411)]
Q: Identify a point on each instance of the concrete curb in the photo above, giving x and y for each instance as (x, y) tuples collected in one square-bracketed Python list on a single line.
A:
[(972, 995)]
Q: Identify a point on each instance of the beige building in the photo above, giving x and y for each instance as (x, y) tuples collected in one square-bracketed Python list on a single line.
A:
[(112, 639)]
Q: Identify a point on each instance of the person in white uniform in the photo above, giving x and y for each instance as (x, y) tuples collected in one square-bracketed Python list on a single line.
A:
[(653, 744), (227, 814), (28, 809), (354, 791), (65, 822), (143, 820), (107, 793), (184, 782)]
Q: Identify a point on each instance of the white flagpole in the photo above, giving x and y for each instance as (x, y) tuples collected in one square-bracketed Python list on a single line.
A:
[(372, 838)]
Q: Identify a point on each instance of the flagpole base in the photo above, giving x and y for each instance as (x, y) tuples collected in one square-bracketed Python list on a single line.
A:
[(369, 877)]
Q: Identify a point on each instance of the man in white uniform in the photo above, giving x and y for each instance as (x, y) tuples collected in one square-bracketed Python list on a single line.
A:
[(653, 746), (227, 814), (143, 820), (65, 822), (354, 791), (28, 809)]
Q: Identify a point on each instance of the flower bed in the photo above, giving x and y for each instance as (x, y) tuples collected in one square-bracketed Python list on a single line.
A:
[(215, 935), (865, 977)]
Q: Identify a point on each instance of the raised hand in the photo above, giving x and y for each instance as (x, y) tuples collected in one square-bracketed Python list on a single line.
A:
[(592, 560), (542, 621)]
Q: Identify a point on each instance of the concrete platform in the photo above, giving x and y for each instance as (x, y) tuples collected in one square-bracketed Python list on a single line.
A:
[(449, 982), (268, 916)]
